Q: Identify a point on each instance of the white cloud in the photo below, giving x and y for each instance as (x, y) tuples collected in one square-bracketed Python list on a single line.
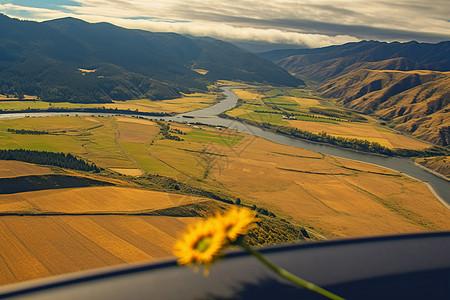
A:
[(39, 14), (313, 23), (228, 32)]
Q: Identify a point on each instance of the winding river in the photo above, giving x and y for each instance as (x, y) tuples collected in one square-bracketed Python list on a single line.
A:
[(209, 115)]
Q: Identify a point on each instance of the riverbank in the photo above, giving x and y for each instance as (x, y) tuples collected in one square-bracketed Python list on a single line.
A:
[(352, 144), (432, 171), (210, 116)]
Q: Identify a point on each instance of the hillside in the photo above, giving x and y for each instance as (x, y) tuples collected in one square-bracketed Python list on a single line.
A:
[(325, 63), (415, 101), (358, 76), (74, 61)]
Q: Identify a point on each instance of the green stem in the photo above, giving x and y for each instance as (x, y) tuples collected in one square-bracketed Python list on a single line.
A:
[(289, 276)]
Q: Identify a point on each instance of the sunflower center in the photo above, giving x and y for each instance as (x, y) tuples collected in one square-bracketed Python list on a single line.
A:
[(203, 243), (228, 227)]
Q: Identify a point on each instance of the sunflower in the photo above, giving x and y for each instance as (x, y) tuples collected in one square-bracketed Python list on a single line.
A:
[(201, 244), (237, 222)]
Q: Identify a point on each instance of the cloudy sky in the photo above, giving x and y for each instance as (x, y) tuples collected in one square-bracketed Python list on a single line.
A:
[(306, 23)]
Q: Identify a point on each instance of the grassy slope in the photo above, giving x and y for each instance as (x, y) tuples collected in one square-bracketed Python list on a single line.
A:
[(440, 164)]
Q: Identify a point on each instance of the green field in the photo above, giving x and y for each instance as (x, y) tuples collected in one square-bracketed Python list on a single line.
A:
[(119, 142), (302, 109), (270, 105), (215, 137)]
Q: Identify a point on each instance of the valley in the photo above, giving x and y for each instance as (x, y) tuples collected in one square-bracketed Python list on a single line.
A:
[(164, 175), (114, 140), (404, 84)]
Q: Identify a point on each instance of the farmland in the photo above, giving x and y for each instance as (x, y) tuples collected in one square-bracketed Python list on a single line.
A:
[(178, 105), (43, 246), (303, 110), (18, 168), (162, 176), (134, 145), (294, 183), (93, 200), (51, 232), (335, 196)]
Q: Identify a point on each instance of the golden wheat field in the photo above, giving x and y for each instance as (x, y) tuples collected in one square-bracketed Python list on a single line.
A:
[(128, 172), (45, 246), (337, 197), (51, 232), (12, 168), (92, 199)]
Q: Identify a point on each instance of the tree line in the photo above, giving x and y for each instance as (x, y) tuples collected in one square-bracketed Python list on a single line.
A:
[(25, 131), (89, 110), (59, 159)]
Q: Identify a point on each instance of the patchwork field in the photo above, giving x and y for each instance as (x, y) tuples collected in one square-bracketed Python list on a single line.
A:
[(51, 232), (303, 110), (129, 146), (297, 183)]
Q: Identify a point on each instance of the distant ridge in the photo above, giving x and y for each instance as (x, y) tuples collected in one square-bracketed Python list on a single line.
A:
[(322, 64), (72, 60)]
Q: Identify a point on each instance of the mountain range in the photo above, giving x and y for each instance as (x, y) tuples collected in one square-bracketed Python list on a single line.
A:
[(321, 64), (407, 85), (73, 60)]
